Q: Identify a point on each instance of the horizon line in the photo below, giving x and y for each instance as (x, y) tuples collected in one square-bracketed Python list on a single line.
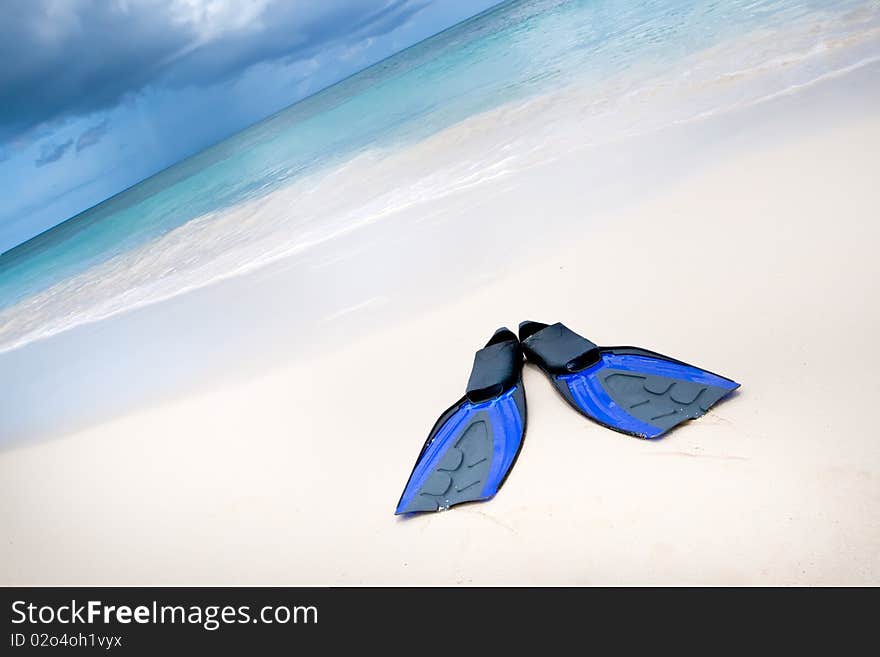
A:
[(292, 104)]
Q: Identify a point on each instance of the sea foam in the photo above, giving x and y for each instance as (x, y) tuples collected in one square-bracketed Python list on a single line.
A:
[(415, 170)]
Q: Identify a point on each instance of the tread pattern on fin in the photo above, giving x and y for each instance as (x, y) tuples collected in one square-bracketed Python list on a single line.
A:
[(660, 401), (461, 471)]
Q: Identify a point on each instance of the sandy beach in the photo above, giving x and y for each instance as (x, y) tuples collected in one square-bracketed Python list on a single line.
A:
[(284, 468)]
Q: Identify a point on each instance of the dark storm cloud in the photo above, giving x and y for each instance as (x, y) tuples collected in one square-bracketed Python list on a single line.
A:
[(68, 59), (289, 35), (92, 136), (74, 58), (52, 153)]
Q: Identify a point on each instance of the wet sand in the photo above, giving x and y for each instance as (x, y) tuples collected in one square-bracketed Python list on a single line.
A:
[(761, 266)]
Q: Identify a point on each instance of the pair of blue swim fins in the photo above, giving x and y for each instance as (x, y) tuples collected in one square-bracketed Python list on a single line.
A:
[(474, 444)]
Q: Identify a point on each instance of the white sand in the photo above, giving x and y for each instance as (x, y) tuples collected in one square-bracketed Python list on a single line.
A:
[(774, 282)]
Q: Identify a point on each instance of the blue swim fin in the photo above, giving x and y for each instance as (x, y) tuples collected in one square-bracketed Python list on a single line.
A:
[(631, 390), (474, 444)]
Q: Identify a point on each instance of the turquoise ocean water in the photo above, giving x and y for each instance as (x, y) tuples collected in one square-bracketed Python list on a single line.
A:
[(525, 76)]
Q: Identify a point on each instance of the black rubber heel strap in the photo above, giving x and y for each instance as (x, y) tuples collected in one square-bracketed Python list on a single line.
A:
[(497, 367), (558, 349)]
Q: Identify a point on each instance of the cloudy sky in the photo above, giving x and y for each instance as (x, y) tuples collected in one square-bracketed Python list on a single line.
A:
[(98, 94)]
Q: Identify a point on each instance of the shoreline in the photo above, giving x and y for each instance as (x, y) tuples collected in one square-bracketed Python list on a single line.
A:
[(256, 321), (777, 485), (851, 58)]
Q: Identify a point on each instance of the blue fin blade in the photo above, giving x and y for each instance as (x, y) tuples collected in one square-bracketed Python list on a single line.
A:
[(643, 395), (468, 456)]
